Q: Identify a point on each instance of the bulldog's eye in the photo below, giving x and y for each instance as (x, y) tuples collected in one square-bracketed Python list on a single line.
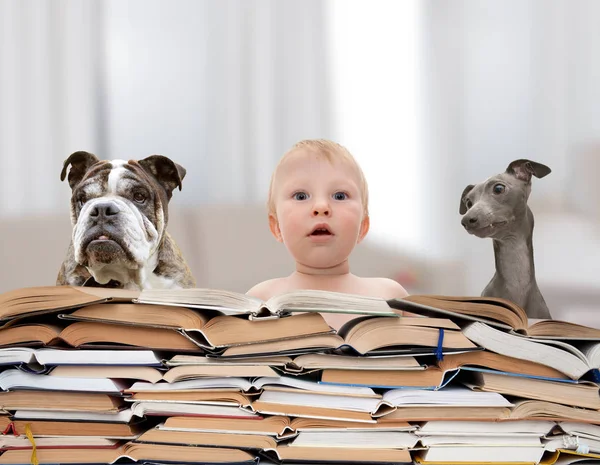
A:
[(80, 201), (499, 188), (139, 197)]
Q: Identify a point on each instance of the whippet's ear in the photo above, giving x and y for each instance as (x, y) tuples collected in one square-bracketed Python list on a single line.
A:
[(523, 169), (168, 173), (463, 206), (80, 162)]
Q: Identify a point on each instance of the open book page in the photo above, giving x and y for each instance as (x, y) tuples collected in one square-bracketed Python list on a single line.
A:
[(234, 303)]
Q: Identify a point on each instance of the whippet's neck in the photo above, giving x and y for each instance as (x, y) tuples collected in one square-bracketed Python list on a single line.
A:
[(514, 255)]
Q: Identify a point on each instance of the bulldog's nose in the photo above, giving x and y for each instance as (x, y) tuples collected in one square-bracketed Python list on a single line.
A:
[(104, 210)]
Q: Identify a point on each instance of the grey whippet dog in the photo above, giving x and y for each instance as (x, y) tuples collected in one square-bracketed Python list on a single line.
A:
[(497, 208)]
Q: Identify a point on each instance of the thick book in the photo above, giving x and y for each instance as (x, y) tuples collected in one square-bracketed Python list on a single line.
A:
[(583, 395), (15, 379), (222, 396), (31, 301), (430, 378), (52, 400), (132, 451), (93, 334), (235, 303), (175, 374), (280, 427), (535, 428), (57, 442), (71, 428), (478, 455), (208, 332), (53, 357), (185, 409), (372, 336), (497, 312), (559, 355)]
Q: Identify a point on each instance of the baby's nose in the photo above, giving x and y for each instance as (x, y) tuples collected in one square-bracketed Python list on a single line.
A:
[(321, 208)]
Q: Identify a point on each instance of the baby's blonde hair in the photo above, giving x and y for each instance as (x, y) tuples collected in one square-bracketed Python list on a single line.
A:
[(331, 151)]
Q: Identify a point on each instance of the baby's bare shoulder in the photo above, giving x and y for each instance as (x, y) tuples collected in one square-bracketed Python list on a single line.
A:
[(268, 289), (385, 288)]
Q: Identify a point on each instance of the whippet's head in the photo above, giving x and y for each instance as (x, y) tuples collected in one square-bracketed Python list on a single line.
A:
[(493, 207)]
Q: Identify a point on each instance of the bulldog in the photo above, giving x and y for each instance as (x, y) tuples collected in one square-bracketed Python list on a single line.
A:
[(119, 213)]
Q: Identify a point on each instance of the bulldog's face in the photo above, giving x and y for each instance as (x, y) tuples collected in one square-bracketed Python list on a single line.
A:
[(119, 209)]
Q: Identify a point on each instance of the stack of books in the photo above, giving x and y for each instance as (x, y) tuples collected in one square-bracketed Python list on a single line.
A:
[(94, 375)]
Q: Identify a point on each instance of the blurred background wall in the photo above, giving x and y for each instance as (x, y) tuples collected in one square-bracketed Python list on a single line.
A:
[(429, 96)]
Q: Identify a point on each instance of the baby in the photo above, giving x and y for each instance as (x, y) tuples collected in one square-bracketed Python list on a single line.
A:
[(318, 208)]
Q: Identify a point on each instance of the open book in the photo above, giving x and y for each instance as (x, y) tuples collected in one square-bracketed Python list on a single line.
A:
[(207, 331), (566, 358), (44, 299), (235, 303), (496, 312)]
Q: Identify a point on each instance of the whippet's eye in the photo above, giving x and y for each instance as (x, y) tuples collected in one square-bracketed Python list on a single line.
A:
[(468, 203), (499, 188)]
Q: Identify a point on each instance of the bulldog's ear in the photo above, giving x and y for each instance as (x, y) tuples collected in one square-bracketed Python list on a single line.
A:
[(168, 173), (80, 162), (463, 206), (524, 169)]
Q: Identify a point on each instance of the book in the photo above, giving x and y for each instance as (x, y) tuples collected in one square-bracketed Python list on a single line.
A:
[(556, 354), (121, 416), (480, 455), (166, 408), (207, 332), (371, 336), (340, 455), (275, 426), (577, 395), (22, 442), (307, 363), (225, 396), (30, 301), (494, 311), (562, 330), (527, 409), (431, 378), (536, 428), (14, 379), (338, 407), (387, 336), (91, 334), (235, 303), (54, 357), (504, 363), (64, 400), (202, 438), (568, 442), (355, 439), (581, 430), (175, 374), (71, 428), (283, 383), (140, 452)]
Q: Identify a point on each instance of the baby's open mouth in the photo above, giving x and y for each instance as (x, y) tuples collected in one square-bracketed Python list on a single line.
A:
[(321, 231)]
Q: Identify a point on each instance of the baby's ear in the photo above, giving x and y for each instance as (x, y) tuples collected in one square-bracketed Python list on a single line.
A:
[(364, 229), (274, 227)]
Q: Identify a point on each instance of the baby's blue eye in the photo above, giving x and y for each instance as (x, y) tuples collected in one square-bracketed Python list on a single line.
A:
[(300, 196), (340, 196)]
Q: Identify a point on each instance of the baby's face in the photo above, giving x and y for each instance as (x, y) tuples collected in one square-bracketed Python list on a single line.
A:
[(319, 211)]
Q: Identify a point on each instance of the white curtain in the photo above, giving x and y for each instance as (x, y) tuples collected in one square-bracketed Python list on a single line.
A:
[(50, 82), (223, 88)]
